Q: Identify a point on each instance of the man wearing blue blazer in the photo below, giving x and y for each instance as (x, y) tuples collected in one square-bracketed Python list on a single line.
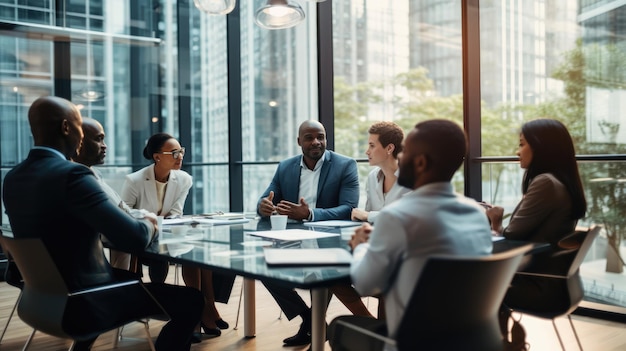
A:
[(318, 185)]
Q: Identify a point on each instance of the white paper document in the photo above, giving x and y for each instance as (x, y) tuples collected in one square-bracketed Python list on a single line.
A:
[(307, 257), (292, 234), (201, 220), (221, 215), (333, 224)]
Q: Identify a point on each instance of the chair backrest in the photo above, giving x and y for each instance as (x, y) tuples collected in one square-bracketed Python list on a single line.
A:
[(12, 275), (585, 244), (455, 302), (48, 306), (44, 293)]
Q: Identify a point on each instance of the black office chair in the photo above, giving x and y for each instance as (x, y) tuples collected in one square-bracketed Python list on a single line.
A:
[(46, 301), (454, 306), (566, 288)]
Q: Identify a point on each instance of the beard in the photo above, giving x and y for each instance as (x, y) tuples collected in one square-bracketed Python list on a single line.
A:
[(315, 154), (407, 176)]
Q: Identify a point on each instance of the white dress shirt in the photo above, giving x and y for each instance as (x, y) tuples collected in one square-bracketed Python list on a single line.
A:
[(309, 181), (427, 221), (376, 198)]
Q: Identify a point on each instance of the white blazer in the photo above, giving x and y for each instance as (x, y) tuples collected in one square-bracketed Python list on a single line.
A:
[(139, 191)]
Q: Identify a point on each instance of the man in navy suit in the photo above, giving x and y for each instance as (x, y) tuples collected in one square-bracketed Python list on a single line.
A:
[(49, 197), (318, 185)]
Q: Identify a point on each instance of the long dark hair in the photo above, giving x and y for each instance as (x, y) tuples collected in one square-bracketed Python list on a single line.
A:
[(553, 152), (155, 143)]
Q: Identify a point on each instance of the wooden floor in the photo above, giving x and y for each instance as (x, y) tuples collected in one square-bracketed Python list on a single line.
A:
[(595, 334)]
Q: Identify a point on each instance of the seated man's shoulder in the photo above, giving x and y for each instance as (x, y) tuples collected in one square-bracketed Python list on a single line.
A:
[(287, 163), (469, 202), (74, 167), (339, 158)]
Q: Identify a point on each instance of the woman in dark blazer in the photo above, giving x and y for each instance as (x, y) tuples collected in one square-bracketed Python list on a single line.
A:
[(552, 204)]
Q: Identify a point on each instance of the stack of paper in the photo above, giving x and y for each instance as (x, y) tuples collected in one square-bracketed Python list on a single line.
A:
[(204, 220), (333, 224), (306, 257), (292, 234)]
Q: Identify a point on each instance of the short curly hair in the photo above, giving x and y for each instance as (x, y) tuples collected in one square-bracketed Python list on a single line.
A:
[(388, 133)]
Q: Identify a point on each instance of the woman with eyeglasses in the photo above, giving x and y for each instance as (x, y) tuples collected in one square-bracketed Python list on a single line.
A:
[(162, 188)]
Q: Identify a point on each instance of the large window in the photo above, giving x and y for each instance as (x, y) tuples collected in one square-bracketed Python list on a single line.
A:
[(278, 92), (395, 61)]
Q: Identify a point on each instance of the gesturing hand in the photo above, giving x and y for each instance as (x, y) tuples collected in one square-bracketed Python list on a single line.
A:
[(266, 207), (299, 211)]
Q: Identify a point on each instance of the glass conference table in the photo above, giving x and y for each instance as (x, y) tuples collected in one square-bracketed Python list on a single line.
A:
[(236, 250)]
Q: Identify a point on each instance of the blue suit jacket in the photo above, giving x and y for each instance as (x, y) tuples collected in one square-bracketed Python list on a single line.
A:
[(337, 190)]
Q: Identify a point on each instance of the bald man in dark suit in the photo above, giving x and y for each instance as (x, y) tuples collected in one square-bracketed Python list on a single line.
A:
[(49, 197)]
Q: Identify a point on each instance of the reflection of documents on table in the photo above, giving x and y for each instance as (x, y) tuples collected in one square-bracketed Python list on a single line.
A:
[(333, 224), (292, 234), (168, 238), (178, 249), (296, 257)]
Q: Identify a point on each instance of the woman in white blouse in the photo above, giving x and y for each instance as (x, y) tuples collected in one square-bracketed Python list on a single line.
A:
[(162, 188), (384, 145)]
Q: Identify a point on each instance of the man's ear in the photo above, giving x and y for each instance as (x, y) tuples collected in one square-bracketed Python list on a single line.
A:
[(420, 162), (65, 127), (299, 142)]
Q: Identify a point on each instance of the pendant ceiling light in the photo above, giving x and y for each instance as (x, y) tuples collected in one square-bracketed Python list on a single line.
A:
[(279, 14), (91, 91), (216, 7)]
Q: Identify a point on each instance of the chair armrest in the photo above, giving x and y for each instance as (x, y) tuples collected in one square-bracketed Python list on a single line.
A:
[(541, 275), (369, 333), (104, 287)]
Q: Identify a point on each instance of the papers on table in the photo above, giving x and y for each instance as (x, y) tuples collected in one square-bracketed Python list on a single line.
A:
[(292, 234), (333, 224), (307, 257), (216, 220), (221, 215)]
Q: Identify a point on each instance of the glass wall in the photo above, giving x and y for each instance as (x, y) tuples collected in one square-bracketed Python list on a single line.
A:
[(397, 61), (107, 65), (161, 66), (278, 92)]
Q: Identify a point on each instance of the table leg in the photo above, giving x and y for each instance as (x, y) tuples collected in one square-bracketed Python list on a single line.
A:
[(318, 310), (249, 308)]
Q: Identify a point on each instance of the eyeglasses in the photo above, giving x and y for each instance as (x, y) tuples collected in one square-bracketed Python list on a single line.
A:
[(175, 153)]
